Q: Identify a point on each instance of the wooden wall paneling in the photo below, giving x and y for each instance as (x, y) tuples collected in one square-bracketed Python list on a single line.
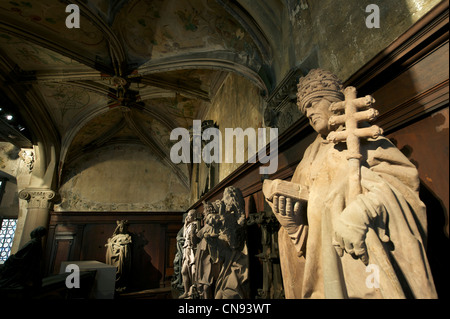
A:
[(83, 235), (148, 255), (162, 254), (420, 90), (64, 240), (171, 249), (65, 246), (49, 252), (426, 144)]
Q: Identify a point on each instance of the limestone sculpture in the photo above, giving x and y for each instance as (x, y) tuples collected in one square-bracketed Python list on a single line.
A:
[(353, 225), (215, 257), (177, 280), (188, 266), (118, 253), (232, 281), (207, 261)]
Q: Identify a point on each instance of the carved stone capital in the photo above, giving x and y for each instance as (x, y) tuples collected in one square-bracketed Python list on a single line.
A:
[(38, 198)]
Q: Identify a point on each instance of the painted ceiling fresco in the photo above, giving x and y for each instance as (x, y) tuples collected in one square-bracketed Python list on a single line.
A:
[(159, 29), (134, 70), (31, 57)]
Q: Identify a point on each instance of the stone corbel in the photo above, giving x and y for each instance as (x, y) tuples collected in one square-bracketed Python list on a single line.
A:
[(282, 96), (38, 198), (28, 157)]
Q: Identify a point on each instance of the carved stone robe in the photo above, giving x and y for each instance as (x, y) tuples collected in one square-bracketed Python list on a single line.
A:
[(232, 281), (390, 189), (118, 254), (207, 262)]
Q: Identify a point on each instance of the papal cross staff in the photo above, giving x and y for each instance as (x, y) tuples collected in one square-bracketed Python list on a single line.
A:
[(357, 110)]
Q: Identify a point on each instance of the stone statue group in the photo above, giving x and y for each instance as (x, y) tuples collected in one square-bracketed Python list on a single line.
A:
[(351, 205), (212, 253), (352, 202)]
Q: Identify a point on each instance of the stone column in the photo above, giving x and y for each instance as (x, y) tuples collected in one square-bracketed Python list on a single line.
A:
[(39, 204)]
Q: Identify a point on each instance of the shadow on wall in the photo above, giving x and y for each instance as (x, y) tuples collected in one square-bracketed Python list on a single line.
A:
[(438, 243), (418, 126), (254, 248), (144, 275), (417, 151)]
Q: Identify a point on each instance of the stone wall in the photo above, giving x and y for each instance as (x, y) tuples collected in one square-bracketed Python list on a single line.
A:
[(336, 33), (237, 104), (121, 178)]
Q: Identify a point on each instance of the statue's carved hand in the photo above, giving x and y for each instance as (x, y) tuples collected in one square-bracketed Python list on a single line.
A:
[(287, 211), (350, 233)]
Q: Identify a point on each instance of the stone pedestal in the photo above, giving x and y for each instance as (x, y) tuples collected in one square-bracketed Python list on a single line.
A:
[(105, 278)]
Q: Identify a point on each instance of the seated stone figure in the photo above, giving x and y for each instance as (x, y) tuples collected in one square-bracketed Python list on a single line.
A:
[(324, 241)]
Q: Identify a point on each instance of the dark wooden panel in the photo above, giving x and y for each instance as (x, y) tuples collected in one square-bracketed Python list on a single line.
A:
[(426, 144), (83, 235)]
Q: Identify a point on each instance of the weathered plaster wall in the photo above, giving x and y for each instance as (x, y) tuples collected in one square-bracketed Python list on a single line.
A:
[(121, 178), (238, 104), (338, 32), (334, 32), (328, 34)]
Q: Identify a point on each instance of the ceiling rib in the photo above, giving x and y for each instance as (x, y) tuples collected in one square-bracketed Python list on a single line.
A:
[(59, 46), (153, 144)]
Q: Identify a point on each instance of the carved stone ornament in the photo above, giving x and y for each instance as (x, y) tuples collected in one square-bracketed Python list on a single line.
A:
[(38, 198), (283, 96), (28, 157)]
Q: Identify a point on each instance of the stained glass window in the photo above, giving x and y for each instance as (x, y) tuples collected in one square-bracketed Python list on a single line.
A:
[(6, 238)]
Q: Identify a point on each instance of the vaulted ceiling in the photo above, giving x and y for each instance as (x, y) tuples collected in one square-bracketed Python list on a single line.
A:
[(134, 70)]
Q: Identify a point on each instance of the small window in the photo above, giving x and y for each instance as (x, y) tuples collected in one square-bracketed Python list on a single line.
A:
[(6, 237)]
